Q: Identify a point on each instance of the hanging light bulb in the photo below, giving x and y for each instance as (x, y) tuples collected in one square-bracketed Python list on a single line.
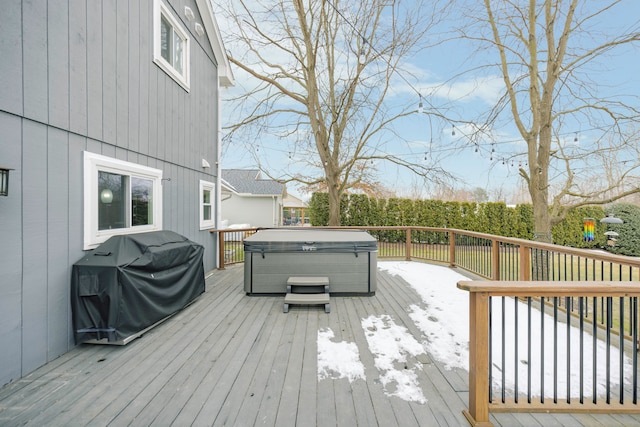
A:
[(476, 148), (453, 131), (575, 138), (362, 56), (425, 156), (420, 107)]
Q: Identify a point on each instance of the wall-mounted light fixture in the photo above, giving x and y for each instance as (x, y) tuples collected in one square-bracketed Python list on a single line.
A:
[(106, 196), (199, 29), (4, 180), (205, 164), (188, 13)]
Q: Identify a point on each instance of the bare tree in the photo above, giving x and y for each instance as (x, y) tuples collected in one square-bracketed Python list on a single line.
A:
[(546, 51), (326, 75)]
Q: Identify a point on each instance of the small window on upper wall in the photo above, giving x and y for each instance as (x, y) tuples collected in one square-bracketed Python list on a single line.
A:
[(207, 196), (171, 44)]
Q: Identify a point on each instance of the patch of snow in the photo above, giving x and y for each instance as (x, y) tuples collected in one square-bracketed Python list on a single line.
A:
[(390, 344), (443, 318), (338, 359)]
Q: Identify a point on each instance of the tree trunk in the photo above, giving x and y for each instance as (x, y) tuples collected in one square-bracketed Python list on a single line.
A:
[(334, 207), (333, 188), (539, 190)]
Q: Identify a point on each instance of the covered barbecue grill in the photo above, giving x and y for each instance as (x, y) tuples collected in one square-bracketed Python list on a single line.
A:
[(347, 257), (131, 282)]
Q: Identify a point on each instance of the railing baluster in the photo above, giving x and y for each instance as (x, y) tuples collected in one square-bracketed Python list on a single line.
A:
[(581, 301), (542, 350), (490, 349), (529, 346), (504, 336), (594, 334), (517, 345), (608, 345), (555, 349), (634, 349), (621, 352), (568, 352)]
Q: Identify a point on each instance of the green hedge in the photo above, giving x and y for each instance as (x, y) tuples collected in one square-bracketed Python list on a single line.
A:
[(490, 217), (628, 241)]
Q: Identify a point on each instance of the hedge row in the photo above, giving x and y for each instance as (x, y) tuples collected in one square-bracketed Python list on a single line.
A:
[(492, 218)]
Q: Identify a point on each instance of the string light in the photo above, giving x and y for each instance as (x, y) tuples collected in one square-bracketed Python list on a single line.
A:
[(421, 105)]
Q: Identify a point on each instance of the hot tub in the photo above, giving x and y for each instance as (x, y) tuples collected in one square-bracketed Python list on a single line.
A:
[(347, 257)]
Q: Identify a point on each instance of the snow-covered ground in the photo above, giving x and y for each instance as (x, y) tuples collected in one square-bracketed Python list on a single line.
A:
[(443, 317)]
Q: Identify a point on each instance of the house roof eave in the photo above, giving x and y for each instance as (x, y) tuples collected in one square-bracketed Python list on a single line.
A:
[(225, 74)]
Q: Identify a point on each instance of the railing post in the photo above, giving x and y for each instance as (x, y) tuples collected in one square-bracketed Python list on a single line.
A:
[(452, 249), (478, 412), (407, 245), (495, 260), (220, 250), (525, 263)]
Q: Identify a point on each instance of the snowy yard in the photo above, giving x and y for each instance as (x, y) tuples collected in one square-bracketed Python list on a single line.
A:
[(442, 315)]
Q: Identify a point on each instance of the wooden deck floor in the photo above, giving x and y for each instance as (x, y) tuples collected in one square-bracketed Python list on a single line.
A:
[(231, 359)]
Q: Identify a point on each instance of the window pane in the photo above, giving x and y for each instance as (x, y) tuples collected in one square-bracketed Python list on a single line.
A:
[(165, 39), (206, 205), (141, 201), (111, 201), (178, 44)]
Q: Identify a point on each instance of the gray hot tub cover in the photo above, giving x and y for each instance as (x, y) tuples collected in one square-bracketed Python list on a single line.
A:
[(131, 282)]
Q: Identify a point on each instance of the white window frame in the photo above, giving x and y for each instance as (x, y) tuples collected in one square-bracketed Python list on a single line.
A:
[(206, 185), (160, 10), (94, 163)]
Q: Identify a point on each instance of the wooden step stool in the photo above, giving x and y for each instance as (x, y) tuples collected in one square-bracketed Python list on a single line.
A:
[(295, 295)]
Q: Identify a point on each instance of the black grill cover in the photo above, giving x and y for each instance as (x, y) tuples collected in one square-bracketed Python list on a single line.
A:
[(130, 282)]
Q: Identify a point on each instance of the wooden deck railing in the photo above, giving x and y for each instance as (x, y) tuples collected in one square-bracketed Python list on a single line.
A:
[(481, 400), (488, 256)]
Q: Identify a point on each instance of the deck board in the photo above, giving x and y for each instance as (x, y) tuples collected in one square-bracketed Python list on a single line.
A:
[(237, 360)]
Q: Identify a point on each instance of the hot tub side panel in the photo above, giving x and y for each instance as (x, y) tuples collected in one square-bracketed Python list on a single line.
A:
[(347, 273)]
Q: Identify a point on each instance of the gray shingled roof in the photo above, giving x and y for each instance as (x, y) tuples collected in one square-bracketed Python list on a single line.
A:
[(249, 181)]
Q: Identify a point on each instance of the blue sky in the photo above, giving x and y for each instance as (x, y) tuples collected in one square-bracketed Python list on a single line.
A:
[(494, 165)]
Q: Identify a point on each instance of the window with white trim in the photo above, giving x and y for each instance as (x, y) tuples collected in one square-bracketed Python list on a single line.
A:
[(119, 198), (207, 196), (170, 44)]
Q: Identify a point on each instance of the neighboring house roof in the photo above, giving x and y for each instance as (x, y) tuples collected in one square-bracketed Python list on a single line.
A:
[(227, 187), (249, 181), (292, 201)]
